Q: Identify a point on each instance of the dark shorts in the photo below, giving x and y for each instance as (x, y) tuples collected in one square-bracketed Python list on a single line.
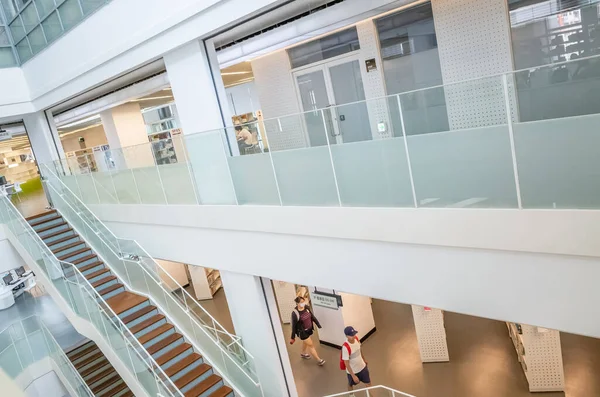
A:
[(309, 333), (362, 376)]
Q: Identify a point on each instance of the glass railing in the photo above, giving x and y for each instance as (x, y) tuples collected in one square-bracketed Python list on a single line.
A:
[(143, 275), (28, 341), (524, 139), (374, 391), (87, 304)]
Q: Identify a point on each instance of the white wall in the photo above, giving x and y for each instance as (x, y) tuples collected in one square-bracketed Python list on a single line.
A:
[(243, 98), (93, 137), (176, 270), (9, 257), (491, 281), (14, 96)]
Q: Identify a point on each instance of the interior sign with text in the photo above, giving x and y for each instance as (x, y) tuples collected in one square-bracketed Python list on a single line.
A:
[(324, 299), (371, 65)]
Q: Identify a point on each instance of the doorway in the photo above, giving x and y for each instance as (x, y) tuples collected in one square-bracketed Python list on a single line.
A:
[(332, 98)]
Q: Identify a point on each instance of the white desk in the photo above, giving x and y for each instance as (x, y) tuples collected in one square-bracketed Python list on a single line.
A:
[(8, 293)]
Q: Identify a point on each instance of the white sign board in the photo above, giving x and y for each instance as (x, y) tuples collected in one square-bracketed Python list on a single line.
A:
[(330, 302)]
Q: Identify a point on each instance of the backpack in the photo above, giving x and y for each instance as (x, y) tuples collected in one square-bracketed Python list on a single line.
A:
[(347, 346), (300, 331)]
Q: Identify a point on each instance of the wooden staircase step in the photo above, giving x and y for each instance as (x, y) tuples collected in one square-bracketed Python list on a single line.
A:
[(106, 382), (124, 301), (62, 240), (171, 354), (90, 266), (85, 258), (116, 390), (203, 386), (104, 280), (40, 215), (155, 333), (41, 222), (106, 372), (45, 229), (147, 323), (94, 368), (48, 236), (110, 289), (81, 346), (181, 364), (193, 374), (70, 254), (128, 394), (89, 359), (96, 274), (83, 352), (66, 247), (158, 346), (134, 316), (222, 392)]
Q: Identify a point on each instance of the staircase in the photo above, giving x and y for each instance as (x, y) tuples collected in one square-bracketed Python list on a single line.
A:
[(185, 367), (97, 372)]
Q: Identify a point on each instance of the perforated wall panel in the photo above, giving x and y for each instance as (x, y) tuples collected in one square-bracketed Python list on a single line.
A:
[(285, 293), (373, 81), (474, 42), (431, 334), (277, 96), (543, 358)]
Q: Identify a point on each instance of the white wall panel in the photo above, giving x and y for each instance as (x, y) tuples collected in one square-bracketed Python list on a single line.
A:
[(474, 42), (431, 334), (277, 96)]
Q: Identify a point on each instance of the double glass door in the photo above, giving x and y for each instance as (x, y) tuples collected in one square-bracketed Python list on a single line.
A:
[(331, 95)]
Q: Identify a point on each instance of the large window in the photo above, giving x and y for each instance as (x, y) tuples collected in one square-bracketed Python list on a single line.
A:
[(330, 46), (545, 35), (411, 62), (35, 24)]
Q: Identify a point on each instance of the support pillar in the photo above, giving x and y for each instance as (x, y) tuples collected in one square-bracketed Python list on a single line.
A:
[(431, 334), (124, 126), (40, 136), (202, 123), (254, 313)]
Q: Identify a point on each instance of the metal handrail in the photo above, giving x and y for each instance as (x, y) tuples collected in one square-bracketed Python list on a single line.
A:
[(45, 250), (367, 389), (43, 327), (218, 327), (235, 338)]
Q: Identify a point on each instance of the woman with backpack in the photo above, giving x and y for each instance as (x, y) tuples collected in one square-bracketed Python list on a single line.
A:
[(302, 326)]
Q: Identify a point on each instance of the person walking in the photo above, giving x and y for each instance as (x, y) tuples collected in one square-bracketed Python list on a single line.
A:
[(353, 360), (302, 326)]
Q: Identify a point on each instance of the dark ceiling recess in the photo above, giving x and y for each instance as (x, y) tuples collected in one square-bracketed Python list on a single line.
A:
[(279, 24)]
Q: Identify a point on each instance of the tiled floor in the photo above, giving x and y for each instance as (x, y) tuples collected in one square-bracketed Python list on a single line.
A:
[(57, 323), (483, 360)]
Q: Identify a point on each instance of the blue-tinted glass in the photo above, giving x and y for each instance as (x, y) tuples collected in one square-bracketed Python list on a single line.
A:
[(4, 40), (7, 57), (52, 27), (9, 9), (70, 14), (24, 51), (17, 30), (90, 6), (37, 40), (44, 7), (30, 17)]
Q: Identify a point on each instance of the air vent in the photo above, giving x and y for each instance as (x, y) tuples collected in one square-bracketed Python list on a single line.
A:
[(279, 24)]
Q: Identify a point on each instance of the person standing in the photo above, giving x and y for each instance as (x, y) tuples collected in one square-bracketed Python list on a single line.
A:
[(354, 360), (302, 326)]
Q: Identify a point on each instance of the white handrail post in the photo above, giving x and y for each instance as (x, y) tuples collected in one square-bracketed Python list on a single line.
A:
[(408, 162), (335, 180), (512, 141)]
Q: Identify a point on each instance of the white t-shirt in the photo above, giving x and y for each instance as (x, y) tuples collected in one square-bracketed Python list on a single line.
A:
[(356, 361)]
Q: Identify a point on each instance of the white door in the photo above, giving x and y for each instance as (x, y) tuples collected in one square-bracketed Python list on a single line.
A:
[(331, 95)]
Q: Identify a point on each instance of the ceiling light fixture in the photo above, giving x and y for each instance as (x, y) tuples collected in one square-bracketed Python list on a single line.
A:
[(83, 121)]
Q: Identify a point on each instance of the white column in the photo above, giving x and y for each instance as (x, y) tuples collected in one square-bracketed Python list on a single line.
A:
[(40, 136), (124, 126), (356, 312), (193, 87), (431, 334), (254, 313)]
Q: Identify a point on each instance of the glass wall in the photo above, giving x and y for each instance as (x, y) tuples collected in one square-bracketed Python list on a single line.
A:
[(411, 62), (552, 32), (35, 24)]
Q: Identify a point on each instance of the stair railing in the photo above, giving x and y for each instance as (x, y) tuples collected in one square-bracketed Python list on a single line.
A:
[(370, 392), (143, 275), (87, 304), (28, 341)]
